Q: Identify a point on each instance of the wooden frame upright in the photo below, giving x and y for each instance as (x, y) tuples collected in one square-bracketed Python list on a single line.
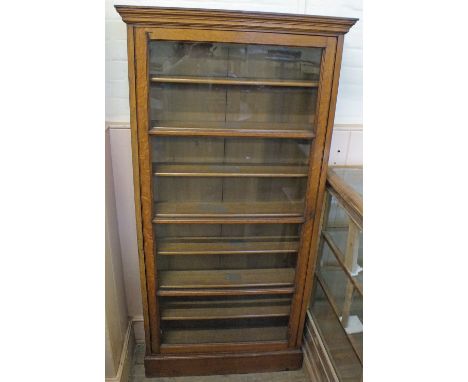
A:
[(149, 23)]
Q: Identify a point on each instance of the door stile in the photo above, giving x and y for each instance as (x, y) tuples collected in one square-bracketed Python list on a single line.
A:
[(146, 191), (136, 180), (315, 165), (322, 183)]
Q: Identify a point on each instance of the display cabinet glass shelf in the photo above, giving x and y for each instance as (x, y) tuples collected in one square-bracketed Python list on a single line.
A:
[(231, 117), (336, 304)]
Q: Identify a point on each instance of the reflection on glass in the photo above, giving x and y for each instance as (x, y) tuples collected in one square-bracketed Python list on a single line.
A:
[(337, 224), (224, 331), (267, 105), (227, 106), (336, 340), (352, 176), (241, 151), (229, 176), (170, 58), (201, 181), (219, 319), (333, 276), (227, 246)]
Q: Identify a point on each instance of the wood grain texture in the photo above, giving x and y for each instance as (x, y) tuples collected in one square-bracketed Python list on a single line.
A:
[(315, 237), (228, 170), (224, 347), (315, 193), (228, 209), (136, 182), (233, 81), (224, 363), (229, 220), (306, 123), (146, 191), (232, 129), (226, 310), (233, 36), (235, 20), (257, 291)]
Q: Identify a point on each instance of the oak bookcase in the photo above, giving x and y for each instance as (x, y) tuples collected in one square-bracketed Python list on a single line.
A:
[(231, 120)]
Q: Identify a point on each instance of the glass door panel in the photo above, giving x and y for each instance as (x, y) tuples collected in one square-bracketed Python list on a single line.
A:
[(220, 177), (239, 106), (194, 59), (231, 129), (226, 255), (191, 320), (195, 150), (233, 86), (224, 331)]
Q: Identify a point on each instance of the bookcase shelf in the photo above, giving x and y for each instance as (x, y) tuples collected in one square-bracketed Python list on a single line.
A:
[(227, 278), (226, 310), (230, 170), (214, 210), (209, 292), (226, 248), (253, 132), (234, 81)]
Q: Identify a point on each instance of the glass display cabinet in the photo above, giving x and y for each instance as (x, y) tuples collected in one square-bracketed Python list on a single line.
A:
[(231, 117), (334, 331)]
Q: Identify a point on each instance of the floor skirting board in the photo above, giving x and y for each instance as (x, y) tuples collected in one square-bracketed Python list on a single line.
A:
[(138, 329), (126, 359)]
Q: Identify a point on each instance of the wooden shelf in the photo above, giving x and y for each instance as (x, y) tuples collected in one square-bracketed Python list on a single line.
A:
[(232, 129), (206, 132), (233, 81), (229, 212), (228, 335), (240, 309), (228, 170), (226, 248), (259, 291), (227, 278)]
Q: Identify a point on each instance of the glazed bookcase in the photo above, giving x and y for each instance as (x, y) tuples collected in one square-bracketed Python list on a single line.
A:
[(231, 118)]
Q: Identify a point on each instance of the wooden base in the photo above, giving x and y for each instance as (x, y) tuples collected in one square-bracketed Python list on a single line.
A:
[(222, 363)]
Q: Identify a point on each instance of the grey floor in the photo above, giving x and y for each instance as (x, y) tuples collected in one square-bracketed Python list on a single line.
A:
[(137, 374)]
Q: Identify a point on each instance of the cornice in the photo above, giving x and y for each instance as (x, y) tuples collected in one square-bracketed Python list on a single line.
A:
[(234, 20)]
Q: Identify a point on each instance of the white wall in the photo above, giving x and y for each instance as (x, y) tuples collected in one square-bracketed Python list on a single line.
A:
[(116, 302), (347, 137)]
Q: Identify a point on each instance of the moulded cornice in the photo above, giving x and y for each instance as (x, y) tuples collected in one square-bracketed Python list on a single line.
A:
[(234, 20)]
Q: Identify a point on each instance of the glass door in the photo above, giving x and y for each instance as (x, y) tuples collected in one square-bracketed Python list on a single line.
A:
[(231, 128)]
